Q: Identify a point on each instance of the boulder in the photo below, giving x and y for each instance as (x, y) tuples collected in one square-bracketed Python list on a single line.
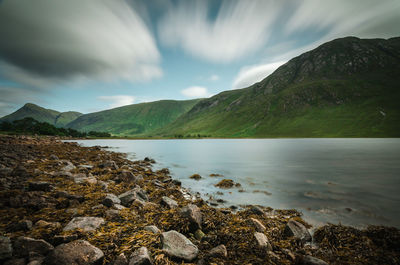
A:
[(23, 245), (24, 225), (110, 200), (178, 246), (257, 210), (168, 202), (84, 223), (310, 260), (67, 165), (121, 260), (218, 252), (108, 164), (78, 252), (297, 230), (112, 214), (6, 249), (140, 257), (152, 228), (40, 186), (262, 241), (257, 225), (135, 194), (193, 214), (195, 177)]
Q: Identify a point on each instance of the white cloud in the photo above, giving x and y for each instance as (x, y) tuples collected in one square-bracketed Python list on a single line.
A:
[(214, 78), (118, 100), (196, 92), (249, 75), (240, 28)]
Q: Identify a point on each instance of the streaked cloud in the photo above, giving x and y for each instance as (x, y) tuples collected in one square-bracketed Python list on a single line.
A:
[(15, 97), (249, 75), (117, 100), (195, 92)]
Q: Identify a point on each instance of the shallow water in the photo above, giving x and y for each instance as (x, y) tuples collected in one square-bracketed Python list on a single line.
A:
[(351, 181)]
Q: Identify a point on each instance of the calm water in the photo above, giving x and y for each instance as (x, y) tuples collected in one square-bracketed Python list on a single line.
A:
[(352, 181)]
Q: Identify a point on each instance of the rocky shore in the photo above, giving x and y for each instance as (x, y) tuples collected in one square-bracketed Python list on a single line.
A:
[(66, 204)]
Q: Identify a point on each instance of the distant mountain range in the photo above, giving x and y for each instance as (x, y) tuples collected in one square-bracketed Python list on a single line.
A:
[(347, 87)]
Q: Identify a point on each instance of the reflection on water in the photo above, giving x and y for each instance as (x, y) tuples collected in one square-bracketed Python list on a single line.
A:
[(352, 181)]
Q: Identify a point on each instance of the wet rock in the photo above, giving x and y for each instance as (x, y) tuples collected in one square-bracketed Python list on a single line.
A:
[(23, 245), (119, 207), (297, 230), (176, 182), (193, 214), (195, 176), (19, 261), (218, 252), (53, 157), (262, 241), (127, 176), (136, 194), (140, 257), (47, 225), (168, 202), (112, 214), (309, 260), (152, 228), (257, 225), (64, 194), (24, 225), (67, 165), (5, 248), (121, 260), (110, 200), (62, 239), (40, 186), (65, 174), (225, 183), (256, 210), (178, 246), (84, 223), (109, 164), (79, 252)]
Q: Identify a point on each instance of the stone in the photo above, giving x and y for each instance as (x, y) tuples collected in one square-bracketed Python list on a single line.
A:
[(310, 260), (109, 164), (262, 241), (78, 252), (257, 210), (168, 202), (67, 165), (140, 257), (110, 200), (23, 245), (125, 176), (135, 194), (178, 246), (112, 214), (47, 225), (297, 230), (53, 157), (121, 260), (20, 261), (152, 228), (257, 225), (195, 177), (40, 186), (6, 249), (199, 234), (119, 207), (218, 252), (62, 239), (36, 262), (84, 223), (193, 214), (24, 225)]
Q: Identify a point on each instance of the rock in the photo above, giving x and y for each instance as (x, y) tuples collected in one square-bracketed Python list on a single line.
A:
[(262, 241), (6, 249), (257, 210), (112, 214), (218, 252), (65, 174), (309, 260), (121, 260), (297, 230), (136, 194), (15, 262), (119, 207), (36, 262), (193, 214), (257, 225), (195, 176), (23, 245), (110, 200), (178, 246), (152, 228), (84, 223), (127, 176), (225, 183), (140, 257), (40, 186), (109, 164), (47, 225), (168, 202), (199, 234), (67, 165), (64, 194), (62, 239), (78, 252), (24, 225), (53, 157), (176, 182)]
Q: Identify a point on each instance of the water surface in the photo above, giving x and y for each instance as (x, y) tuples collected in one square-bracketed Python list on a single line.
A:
[(351, 181)]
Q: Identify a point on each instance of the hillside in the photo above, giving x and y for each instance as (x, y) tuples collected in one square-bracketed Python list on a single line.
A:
[(348, 87), (40, 114), (137, 119)]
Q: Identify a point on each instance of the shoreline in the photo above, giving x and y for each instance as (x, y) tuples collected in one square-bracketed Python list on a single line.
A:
[(49, 183)]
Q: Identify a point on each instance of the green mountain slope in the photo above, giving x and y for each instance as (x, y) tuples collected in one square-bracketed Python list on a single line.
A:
[(133, 120), (40, 114), (348, 87)]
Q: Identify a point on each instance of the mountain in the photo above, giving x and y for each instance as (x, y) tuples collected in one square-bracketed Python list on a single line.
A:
[(136, 119), (53, 117), (347, 87)]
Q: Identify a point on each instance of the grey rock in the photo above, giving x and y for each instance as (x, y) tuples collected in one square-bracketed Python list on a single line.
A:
[(84, 223), (257, 225), (135, 194), (257, 210), (119, 207), (40, 186), (168, 202), (140, 257), (297, 230), (78, 252), (121, 260), (109, 164), (193, 214), (67, 165), (23, 245), (262, 241), (218, 252), (152, 228), (178, 246), (110, 200), (310, 260), (112, 214), (62, 239), (6, 249), (53, 157)]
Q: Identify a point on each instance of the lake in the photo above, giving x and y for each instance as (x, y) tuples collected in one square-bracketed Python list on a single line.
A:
[(349, 181)]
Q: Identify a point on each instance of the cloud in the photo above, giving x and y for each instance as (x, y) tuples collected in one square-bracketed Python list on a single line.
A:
[(14, 97), (196, 92), (57, 40), (249, 75), (118, 100), (214, 78), (239, 28)]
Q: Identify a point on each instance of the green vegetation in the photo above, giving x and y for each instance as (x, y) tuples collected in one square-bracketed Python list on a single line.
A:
[(31, 126)]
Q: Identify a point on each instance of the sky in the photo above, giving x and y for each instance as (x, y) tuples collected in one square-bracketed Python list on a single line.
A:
[(91, 55)]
